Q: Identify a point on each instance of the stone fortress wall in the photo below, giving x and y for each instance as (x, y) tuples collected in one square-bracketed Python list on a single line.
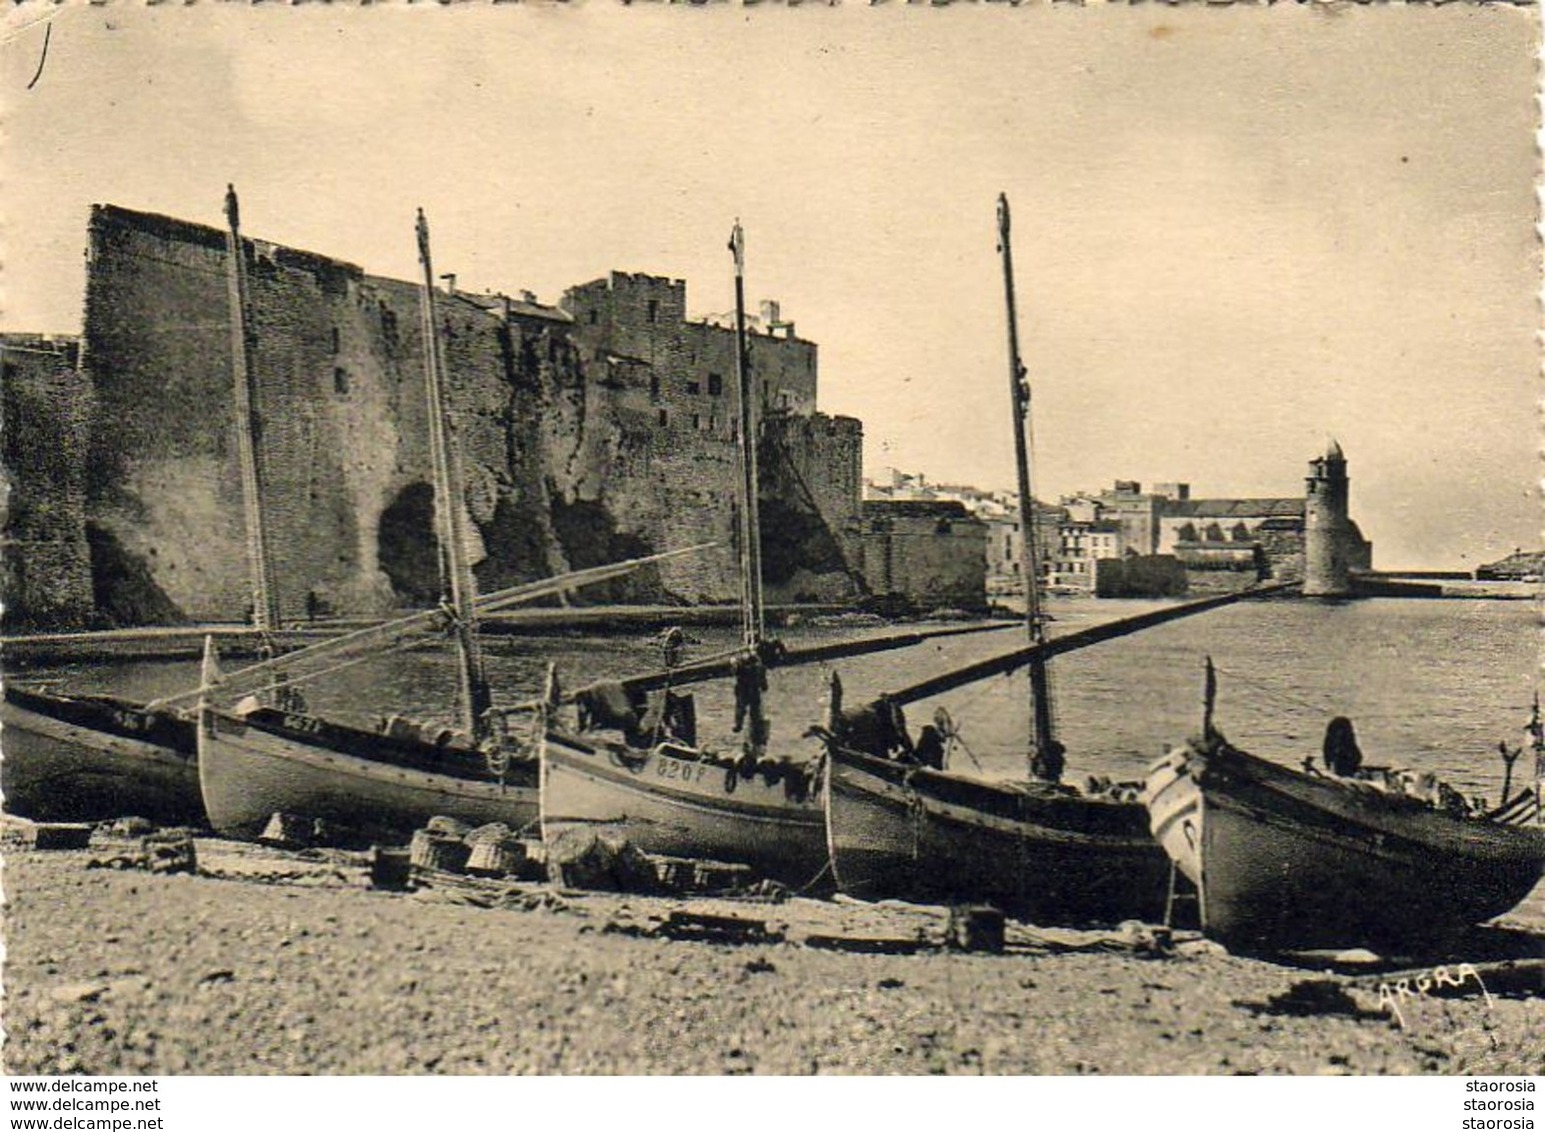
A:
[(598, 429)]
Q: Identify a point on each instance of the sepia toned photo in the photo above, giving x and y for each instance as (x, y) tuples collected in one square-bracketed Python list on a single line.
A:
[(662, 539)]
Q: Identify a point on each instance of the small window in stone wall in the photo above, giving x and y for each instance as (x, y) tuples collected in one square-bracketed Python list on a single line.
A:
[(697, 422), (664, 418), (715, 385), (594, 314), (653, 310), (654, 391), (693, 388), (340, 380), (335, 339)]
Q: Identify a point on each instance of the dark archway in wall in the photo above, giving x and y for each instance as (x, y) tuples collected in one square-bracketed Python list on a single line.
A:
[(516, 544), (795, 538), (795, 535), (122, 586), (406, 546), (589, 536)]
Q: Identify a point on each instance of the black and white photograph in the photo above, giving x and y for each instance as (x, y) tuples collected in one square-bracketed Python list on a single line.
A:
[(652, 539)]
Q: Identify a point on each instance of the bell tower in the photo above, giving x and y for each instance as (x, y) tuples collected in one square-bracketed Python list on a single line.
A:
[(1327, 526)]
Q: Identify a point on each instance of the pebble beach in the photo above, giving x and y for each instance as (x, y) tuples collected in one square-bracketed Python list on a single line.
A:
[(268, 961)]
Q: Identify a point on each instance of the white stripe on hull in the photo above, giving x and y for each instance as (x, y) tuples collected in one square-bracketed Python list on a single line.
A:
[(690, 814), (1325, 878), (248, 774), (1176, 811), (62, 769)]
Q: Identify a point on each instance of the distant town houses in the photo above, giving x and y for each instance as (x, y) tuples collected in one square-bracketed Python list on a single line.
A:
[(1125, 541)]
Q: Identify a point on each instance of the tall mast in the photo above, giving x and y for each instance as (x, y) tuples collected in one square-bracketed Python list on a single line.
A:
[(750, 531), (455, 572), (1019, 387), (265, 600)]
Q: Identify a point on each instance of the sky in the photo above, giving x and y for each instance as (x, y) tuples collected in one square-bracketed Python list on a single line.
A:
[(1238, 232)]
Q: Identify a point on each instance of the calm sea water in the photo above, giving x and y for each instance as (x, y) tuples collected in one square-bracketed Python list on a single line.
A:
[(1431, 685)]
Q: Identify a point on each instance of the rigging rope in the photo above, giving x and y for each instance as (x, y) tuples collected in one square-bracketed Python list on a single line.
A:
[(1275, 693)]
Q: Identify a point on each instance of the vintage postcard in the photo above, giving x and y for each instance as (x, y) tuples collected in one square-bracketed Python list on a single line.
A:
[(727, 539)]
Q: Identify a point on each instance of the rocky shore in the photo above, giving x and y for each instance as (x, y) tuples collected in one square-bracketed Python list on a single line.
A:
[(267, 961)]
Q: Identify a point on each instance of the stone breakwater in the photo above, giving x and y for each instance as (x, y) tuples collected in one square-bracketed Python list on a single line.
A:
[(277, 962)]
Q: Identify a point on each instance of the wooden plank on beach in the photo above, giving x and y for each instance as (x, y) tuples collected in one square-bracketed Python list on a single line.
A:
[(707, 928), (871, 945)]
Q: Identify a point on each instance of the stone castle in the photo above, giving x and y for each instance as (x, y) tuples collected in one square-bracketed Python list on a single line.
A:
[(598, 429)]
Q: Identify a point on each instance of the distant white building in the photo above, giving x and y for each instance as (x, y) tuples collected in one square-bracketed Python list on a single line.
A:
[(1081, 544), (997, 509)]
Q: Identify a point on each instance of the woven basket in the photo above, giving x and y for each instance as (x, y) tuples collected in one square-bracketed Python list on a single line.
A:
[(496, 857), (438, 852)]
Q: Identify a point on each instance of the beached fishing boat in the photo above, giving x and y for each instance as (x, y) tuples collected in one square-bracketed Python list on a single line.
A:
[(1035, 851), (389, 782), (380, 785), (87, 757), (682, 801), (900, 825), (1285, 859), (626, 763), (384, 782)]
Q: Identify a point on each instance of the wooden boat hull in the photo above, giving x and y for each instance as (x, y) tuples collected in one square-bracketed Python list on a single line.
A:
[(909, 833), (88, 758), (1283, 859), (360, 783), (682, 807)]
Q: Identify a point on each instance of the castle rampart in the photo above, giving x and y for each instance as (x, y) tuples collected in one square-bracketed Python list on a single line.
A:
[(600, 429), (46, 406)]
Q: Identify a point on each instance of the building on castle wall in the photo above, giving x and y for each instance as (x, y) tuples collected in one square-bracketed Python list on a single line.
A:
[(997, 509), (598, 429), (44, 544), (1227, 544), (930, 553)]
